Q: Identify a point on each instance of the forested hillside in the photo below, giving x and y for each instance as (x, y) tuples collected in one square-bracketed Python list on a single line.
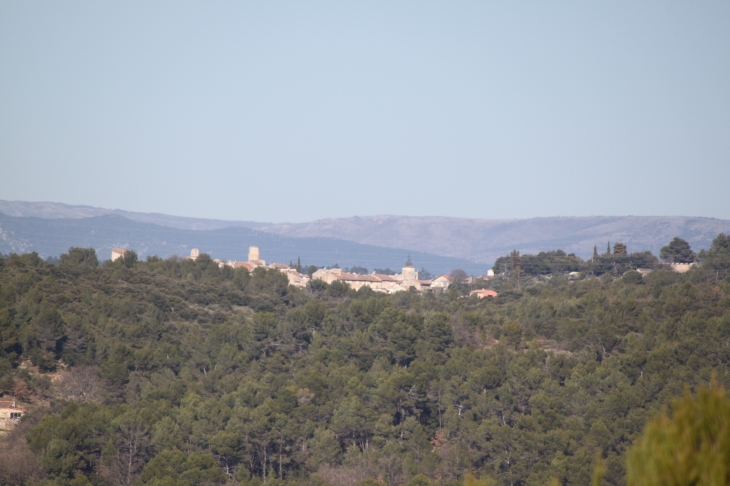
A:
[(166, 372)]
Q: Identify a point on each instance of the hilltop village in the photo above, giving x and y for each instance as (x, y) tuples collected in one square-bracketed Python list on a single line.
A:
[(388, 284)]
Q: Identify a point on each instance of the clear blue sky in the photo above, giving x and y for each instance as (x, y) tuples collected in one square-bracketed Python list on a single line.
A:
[(292, 111)]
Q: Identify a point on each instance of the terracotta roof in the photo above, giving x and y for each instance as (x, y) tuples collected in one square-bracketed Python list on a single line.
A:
[(279, 265), (119, 250), (292, 271), (242, 265), (9, 404), (356, 278), (481, 293)]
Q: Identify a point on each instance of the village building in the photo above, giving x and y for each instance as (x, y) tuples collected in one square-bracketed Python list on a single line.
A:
[(409, 272), (245, 265), (378, 282), (482, 293), (327, 275), (296, 279), (357, 281), (409, 277), (254, 257), (10, 410), (442, 282), (681, 267), (10, 414), (404, 281), (254, 261), (387, 283)]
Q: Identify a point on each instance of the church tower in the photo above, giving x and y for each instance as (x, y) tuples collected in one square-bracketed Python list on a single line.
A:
[(409, 272)]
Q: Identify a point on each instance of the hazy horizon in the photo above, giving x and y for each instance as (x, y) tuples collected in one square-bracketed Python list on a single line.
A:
[(369, 215), (298, 112)]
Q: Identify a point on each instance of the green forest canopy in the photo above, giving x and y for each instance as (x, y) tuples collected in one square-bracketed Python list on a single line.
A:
[(615, 262), (180, 372)]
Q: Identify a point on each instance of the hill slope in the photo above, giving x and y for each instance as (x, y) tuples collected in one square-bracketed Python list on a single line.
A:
[(182, 373)]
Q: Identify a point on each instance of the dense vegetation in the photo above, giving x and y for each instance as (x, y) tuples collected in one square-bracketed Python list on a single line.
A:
[(178, 372), (615, 262)]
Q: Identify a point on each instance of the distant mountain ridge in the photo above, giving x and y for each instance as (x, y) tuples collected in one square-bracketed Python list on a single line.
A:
[(482, 240), (475, 241), (51, 237), (51, 210)]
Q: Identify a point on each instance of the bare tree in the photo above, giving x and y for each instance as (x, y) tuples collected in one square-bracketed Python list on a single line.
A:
[(19, 466), (132, 444), (22, 391), (348, 475), (459, 275), (80, 384)]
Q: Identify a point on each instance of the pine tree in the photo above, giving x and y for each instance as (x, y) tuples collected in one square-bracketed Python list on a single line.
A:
[(688, 445), (608, 248), (678, 251), (595, 251)]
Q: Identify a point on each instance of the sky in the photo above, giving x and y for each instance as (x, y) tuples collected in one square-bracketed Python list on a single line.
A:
[(293, 111)]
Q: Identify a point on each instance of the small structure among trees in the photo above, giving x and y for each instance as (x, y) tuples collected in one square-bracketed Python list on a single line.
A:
[(10, 413)]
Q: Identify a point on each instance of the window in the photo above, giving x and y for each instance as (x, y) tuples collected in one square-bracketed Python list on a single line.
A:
[(15, 415)]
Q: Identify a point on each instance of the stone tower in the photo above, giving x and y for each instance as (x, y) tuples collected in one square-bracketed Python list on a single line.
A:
[(410, 273), (253, 254)]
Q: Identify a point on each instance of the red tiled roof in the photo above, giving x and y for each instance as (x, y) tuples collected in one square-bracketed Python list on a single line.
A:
[(352, 277), (9, 404), (292, 271), (481, 293), (245, 265)]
